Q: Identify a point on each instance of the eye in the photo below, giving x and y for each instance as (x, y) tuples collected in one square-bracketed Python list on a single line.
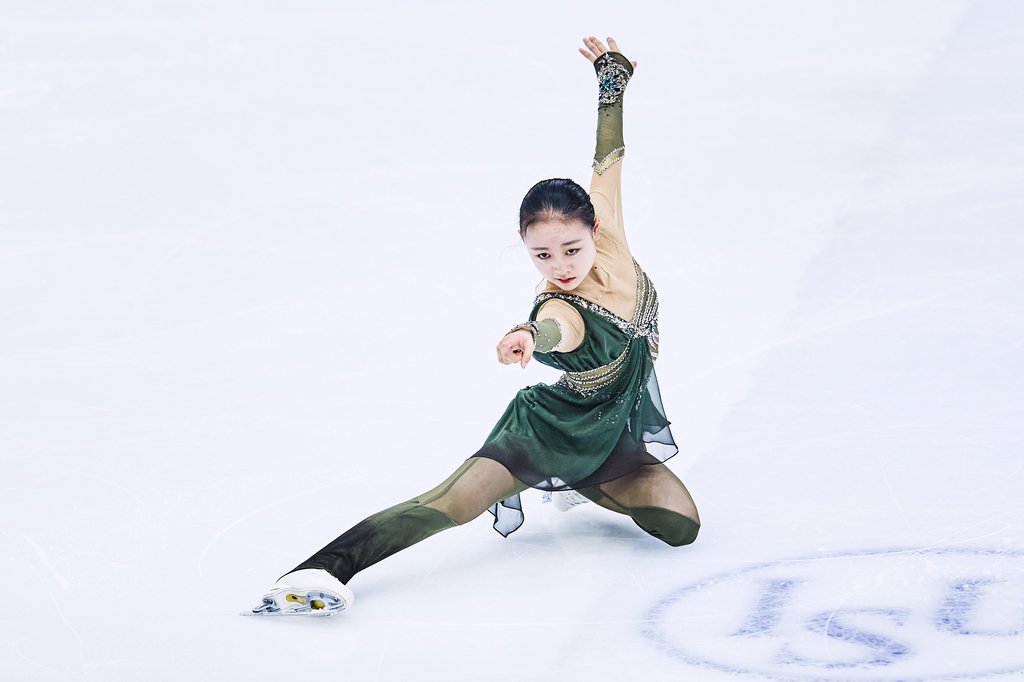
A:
[(572, 252), (542, 256)]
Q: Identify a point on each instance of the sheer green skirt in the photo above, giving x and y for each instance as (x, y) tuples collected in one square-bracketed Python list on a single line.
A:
[(588, 428)]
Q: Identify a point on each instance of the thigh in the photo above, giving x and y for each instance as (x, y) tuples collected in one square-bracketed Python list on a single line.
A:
[(651, 485), (475, 486)]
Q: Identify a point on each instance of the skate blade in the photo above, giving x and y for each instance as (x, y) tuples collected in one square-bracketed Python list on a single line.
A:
[(305, 614), (315, 603)]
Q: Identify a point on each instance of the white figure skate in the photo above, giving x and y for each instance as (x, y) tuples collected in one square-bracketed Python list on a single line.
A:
[(309, 592), (564, 500)]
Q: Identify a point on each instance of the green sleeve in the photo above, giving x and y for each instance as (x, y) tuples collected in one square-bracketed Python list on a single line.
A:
[(546, 333), (549, 334), (613, 73)]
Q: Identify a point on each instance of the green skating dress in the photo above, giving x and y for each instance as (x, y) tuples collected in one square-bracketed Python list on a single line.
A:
[(601, 420)]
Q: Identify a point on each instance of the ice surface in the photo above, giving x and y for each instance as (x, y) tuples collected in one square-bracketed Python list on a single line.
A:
[(241, 242)]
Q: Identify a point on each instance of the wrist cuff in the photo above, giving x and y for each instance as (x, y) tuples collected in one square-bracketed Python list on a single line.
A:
[(613, 72)]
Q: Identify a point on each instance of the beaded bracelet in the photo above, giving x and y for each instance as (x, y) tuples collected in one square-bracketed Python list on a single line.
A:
[(526, 326)]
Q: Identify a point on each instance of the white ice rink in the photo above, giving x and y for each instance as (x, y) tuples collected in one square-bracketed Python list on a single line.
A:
[(255, 257)]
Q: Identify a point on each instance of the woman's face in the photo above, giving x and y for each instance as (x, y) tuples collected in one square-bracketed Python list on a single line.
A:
[(563, 252)]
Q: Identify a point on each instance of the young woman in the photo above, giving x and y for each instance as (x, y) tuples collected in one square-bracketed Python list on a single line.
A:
[(600, 430)]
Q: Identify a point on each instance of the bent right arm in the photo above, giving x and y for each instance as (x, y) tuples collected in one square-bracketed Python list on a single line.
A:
[(558, 328)]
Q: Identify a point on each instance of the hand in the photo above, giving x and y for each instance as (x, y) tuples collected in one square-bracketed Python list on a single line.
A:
[(516, 347), (595, 48)]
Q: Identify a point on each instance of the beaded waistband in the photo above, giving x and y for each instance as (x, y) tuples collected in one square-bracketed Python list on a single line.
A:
[(590, 382)]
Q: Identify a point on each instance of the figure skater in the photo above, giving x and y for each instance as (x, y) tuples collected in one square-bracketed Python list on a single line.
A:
[(599, 431)]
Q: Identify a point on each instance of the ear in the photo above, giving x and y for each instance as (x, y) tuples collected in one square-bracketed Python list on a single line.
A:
[(597, 227)]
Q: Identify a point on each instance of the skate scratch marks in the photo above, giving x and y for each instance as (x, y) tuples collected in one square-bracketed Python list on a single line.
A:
[(893, 497), (827, 328), (65, 586), (387, 647), (259, 510), (51, 569), (131, 494)]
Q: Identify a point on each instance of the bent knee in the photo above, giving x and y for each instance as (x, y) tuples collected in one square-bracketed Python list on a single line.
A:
[(670, 527), (685, 535)]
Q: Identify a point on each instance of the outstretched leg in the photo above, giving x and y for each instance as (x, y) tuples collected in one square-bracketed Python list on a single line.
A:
[(655, 499), (463, 496)]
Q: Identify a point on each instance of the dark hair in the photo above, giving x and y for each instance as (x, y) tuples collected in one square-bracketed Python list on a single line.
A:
[(555, 199)]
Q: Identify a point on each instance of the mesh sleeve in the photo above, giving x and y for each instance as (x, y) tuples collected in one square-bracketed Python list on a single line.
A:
[(613, 73)]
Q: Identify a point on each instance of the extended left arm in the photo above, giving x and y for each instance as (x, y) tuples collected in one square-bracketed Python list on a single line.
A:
[(613, 73)]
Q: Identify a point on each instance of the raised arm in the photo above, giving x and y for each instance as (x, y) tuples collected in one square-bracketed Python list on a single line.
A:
[(613, 73)]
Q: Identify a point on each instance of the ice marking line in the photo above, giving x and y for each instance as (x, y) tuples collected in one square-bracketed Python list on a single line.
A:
[(1001, 529), (788, 340), (67, 623), (65, 586), (891, 127), (61, 580), (216, 538), (387, 646), (123, 488), (828, 624), (972, 539), (33, 661), (893, 496)]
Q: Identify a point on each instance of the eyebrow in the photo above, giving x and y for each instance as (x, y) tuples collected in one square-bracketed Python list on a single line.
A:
[(544, 248)]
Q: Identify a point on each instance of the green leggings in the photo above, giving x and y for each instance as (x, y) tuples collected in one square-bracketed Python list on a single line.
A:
[(466, 494)]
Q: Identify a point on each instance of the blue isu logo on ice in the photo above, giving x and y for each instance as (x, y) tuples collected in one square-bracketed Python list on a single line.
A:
[(940, 614)]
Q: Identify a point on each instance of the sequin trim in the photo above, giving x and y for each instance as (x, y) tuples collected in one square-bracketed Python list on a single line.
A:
[(644, 324), (609, 160), (645, 317), (593, 381), (612, 76)]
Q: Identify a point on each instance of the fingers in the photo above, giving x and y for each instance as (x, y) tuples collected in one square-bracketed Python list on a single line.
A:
[(525, 352), (505, 352), (595, 48), (590, 52), (515, 347), (507, 355)]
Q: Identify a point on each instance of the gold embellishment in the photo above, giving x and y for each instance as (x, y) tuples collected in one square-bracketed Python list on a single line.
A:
[(644, 324), (592, 381), (645, 317)]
